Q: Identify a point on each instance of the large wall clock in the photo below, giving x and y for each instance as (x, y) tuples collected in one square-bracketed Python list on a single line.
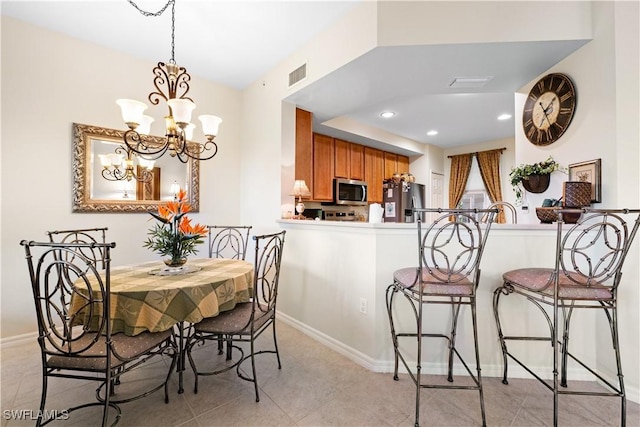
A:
[(549, 109)]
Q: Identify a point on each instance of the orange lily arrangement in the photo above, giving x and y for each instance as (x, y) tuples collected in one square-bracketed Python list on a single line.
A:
[(175, 236)]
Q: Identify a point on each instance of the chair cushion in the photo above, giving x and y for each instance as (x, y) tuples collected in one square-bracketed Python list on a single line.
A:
[(125, 348), (570, 284), (234, 322), (457, 285)]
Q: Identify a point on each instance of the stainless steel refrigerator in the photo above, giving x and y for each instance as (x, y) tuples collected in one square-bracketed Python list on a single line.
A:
[(400, 198)]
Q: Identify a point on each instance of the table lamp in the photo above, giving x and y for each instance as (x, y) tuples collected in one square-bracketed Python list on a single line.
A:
[(300, 190)]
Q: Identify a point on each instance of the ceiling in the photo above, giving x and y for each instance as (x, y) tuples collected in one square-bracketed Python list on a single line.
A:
[(236, 42)]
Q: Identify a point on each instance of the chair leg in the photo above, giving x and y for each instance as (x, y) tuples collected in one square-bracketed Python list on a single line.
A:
[(275, 343), (253, 368), (503, 345), (418, 362), (565, 346), (43, 398), (613, 323), (455, 311), (475, 342), (391, 292)]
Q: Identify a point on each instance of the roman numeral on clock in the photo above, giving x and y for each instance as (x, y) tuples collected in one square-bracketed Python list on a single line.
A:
[(566, 96)]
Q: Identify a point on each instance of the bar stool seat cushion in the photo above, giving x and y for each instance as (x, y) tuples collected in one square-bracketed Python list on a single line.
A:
[(440, 284), (570, 286)]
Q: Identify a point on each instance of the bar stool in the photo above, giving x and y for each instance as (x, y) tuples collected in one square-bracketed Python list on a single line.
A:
[(449, 252), (588, 268)]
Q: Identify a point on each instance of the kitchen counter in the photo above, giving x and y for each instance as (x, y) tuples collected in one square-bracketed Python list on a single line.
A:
[(335, 275)]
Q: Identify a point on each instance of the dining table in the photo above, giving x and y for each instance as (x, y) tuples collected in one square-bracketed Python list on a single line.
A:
[(152, 297)]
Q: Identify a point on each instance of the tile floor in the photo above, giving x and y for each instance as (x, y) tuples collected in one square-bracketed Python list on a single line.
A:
[(316, 387)]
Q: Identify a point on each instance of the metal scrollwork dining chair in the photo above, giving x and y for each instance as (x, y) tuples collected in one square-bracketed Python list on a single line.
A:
[(71, 295), (450, 249), (247, 321), (83, 235), (228, 241), (587, 275)]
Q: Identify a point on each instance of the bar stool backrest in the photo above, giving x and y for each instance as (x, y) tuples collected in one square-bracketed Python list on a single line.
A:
[(452, 244), (593, 251)]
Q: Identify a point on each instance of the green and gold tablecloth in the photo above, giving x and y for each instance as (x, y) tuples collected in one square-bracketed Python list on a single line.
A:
[(141, 301)]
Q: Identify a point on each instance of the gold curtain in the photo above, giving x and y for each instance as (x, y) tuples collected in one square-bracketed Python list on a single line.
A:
[(460, 168), (489, 163)]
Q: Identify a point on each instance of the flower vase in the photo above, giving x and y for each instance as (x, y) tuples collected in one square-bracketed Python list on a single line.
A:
[(175, 263)]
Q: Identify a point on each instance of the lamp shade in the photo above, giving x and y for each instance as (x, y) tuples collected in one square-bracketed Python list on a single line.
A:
[(144, 126), (181, 109), (300, 189), (188, 131), (132, 110), (210, 124)]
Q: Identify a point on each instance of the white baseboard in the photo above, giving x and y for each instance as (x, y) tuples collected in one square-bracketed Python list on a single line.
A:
[(19, 340), (387, 366)]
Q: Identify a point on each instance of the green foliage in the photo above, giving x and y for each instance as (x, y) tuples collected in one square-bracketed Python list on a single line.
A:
[(166, 241), (523, 172)]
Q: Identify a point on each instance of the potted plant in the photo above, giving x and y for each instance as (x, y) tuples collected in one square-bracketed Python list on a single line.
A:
[(534, 178), (175, 237)]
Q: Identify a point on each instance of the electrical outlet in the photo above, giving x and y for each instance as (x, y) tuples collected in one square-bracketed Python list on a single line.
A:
[(363, 305)]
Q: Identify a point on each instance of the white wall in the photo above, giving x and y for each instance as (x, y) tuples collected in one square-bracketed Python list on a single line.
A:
[(50, 81)]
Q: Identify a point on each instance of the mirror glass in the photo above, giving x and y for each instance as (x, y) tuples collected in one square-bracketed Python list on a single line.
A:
[(93, 193)]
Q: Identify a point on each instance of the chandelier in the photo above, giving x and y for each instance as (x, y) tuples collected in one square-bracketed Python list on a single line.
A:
[(172, 84), (114, 170)]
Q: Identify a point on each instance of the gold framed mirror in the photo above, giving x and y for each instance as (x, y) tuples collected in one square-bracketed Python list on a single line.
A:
[(93, 193)]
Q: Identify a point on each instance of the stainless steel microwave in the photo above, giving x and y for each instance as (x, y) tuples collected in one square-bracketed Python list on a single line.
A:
[(349, 192)]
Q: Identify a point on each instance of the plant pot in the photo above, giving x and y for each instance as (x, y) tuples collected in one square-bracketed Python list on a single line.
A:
[(175, 262), (536, 183)]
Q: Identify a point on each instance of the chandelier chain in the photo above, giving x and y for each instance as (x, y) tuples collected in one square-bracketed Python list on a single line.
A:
[(158, 13)]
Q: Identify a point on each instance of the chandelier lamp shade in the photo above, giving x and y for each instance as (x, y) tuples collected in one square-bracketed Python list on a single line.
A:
[(171, 83), (119, 167)]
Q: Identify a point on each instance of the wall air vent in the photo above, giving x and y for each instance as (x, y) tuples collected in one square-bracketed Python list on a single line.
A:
[(298, 74)]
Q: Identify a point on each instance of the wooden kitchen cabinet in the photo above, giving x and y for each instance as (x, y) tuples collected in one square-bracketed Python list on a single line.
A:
[(357, 161), (323, 167), (304, 147), (390, 164), (374, 173), (342, 158), (349, 160), (403, 164)]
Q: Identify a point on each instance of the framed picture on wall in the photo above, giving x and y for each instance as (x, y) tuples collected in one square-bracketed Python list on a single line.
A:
[(588, 172)]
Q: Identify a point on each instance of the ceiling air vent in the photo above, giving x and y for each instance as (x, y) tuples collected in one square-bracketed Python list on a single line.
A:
[(298, 74), (469, 82)]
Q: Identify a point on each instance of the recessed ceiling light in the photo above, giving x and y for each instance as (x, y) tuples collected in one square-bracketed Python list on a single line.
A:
[(432, 132), (387, 114), (504, 116)]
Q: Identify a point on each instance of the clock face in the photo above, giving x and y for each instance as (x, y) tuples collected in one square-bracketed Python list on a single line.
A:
[(549, 109)]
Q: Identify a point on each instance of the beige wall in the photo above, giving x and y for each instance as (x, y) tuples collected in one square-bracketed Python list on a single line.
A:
[(50, 81)]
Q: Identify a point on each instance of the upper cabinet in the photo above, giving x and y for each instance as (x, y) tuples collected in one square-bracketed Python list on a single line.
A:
[(403, 164), (342, 158), (304, 147), (357, 161), (323, 167), (349, 160), (374, 173), (390, 164), (321, 158)]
